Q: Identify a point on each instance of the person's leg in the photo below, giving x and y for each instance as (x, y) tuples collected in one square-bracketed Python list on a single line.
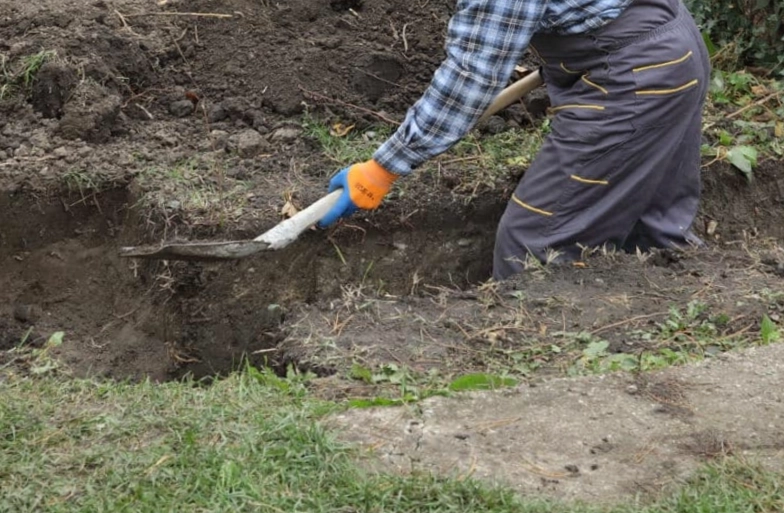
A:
[(626, 156), (667, 221)]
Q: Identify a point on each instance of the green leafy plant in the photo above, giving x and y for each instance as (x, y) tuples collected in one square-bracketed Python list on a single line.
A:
[(481, 382), (746, 32), (769, 331)]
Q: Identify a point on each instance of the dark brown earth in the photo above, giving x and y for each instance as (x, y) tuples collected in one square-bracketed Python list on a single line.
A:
[(166, 120), (152, 123)]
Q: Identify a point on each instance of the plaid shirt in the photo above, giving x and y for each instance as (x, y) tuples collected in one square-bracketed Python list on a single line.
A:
[(486, 40)]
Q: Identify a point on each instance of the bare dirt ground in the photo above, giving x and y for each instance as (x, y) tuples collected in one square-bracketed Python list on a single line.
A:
[(149, 122), (599, 439)]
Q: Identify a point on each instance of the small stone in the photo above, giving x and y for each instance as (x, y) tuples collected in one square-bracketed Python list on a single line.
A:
[(3, 155), (60, 152), (632, 389), (219, 139), (572, 469), (173, 205), (26, 313), (181, 108), (217, 113), (285, 134), (84, 151), (464, 243), (249, 143), (22, 151)]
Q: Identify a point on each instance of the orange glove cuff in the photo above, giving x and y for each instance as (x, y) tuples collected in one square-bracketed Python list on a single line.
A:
[(368, 184)]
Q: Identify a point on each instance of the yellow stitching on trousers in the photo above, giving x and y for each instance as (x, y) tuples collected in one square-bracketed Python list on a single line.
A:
[(536, 53), (597, 86), (529, 207), (663, 64), (668, 91), (591, 182), (577, 106), (569, 71)]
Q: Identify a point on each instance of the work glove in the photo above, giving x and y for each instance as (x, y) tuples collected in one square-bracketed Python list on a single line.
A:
[(364, 186)]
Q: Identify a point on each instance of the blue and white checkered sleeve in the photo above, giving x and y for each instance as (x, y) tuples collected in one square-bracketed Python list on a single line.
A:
[(486, 39)]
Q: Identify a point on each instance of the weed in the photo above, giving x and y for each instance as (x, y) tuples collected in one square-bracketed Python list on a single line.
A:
[(344, 145), (20, 75), (753, 129), (768, 331)]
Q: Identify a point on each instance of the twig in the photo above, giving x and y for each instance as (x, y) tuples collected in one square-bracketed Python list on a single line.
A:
[(461, 159), (125, 23), (752, 105), (196, 14), (149, 115), (405, 40), (495, 424), (627, 321), (373, 75), (326, 99)]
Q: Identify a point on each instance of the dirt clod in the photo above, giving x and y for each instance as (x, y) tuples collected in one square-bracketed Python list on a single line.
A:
[(91, 114), (181, 108), (52, 88), (248, 143)]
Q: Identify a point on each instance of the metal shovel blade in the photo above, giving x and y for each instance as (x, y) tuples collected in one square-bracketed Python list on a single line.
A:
[(280, 236), (203, 251)]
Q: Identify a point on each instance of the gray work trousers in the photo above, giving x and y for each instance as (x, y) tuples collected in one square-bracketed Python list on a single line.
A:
[(621, 164)]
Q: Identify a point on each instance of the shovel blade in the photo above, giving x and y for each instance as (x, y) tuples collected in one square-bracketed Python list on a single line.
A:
[(196, 251)]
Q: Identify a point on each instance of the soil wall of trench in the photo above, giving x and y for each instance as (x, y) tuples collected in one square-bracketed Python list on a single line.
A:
[(129, 89), (126, 318)]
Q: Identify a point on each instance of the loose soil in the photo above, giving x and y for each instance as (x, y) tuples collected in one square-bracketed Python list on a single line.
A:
[(147, 124)]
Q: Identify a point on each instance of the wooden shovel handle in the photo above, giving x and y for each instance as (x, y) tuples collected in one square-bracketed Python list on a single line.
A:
[(513, 93)]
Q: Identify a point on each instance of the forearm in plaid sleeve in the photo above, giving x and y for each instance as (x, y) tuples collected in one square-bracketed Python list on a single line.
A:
[(486, 39)]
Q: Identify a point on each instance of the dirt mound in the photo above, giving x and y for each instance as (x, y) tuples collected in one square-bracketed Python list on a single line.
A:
[(378, 56)]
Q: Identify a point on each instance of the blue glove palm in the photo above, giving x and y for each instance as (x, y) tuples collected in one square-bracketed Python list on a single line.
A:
[(344, 207)]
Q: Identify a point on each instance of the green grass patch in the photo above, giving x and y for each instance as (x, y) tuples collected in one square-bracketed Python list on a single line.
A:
[(343, 144), (199, 190), (251, 442), (19, 75), (485, 163)]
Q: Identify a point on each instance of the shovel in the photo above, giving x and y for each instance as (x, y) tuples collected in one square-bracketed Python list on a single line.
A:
[(287, 231)]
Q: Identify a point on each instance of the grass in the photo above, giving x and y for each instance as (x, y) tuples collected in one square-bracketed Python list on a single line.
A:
[(20, 75), (343, 144), (196, 188), (251, 442)]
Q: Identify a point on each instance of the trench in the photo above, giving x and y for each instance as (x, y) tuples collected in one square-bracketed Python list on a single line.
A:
[(133, 319), (129, 319)]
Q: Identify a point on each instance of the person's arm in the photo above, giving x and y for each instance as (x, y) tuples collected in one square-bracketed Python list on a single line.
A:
[(486, 39)]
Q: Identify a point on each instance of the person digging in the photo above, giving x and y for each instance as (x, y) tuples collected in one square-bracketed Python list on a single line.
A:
[(627, 81)]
